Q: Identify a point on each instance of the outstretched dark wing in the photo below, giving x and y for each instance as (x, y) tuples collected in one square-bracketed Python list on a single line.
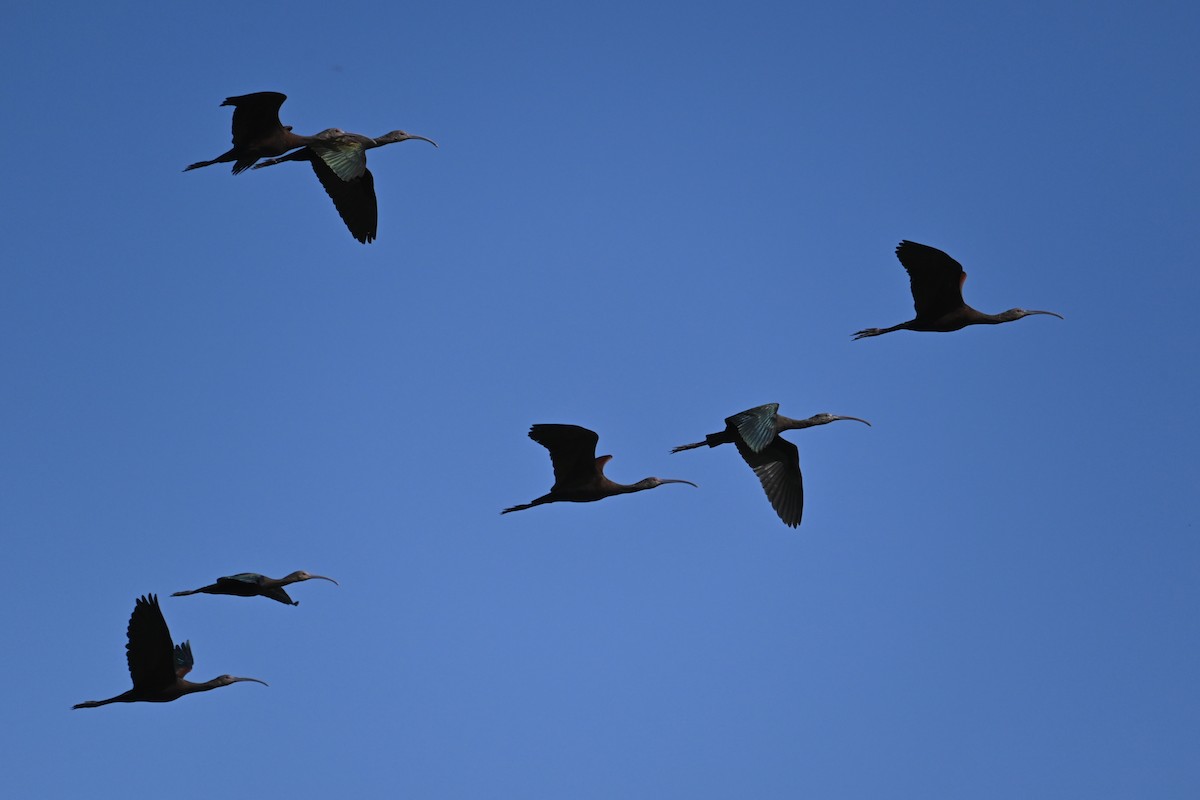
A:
[(255, 116), (354, 199), (778, 469), (244, 584), (252, 578), (756, 426), (572, 451), (936, 279), (150, 654), (183, 659)]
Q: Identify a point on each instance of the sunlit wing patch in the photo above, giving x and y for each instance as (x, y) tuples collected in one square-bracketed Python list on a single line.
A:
[(756, 426), (348, 161)]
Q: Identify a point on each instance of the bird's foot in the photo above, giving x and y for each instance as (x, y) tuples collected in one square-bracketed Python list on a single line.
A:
[(868, 332)]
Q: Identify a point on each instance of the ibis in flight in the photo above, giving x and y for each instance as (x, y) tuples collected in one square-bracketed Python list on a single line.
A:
[(156, 666), (578, 474), (257, 132), (775, 460), (251, 584), (339, 160), (937, 281)]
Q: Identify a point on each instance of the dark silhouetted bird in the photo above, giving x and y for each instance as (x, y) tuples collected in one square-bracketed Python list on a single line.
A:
[(937, 280), (257, 132), (578, 474), (157, 667), (251, 584)]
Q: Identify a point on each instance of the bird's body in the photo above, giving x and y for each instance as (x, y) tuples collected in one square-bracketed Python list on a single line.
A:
[(578, 474), (339, 160), (156, 666), (257, 132), (775, 460), (251, 584), (936, 281)]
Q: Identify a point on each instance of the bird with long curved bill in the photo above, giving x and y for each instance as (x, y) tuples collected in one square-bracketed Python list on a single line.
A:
[(578, 474), (775, 460), (339, 160), (156, 666), (936, 280), (251, 584), (257, 132)]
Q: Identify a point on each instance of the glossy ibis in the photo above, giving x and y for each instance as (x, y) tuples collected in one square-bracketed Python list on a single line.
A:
[(339, 160), (257, 132), (775, 460), (937, 281), (578, 474), (156, 667), (251, 584)]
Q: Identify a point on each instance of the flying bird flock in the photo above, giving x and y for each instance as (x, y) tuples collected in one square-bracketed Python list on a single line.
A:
[(157, 666)]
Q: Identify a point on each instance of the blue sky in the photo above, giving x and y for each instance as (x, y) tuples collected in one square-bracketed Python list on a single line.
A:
[(641, 219)]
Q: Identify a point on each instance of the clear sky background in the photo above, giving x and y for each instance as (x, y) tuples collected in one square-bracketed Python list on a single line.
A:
[(642, 218)]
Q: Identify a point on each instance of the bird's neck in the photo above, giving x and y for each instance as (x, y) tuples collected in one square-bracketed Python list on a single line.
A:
[(187, 687)]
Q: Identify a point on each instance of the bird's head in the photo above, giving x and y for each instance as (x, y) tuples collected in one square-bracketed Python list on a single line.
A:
[(400, 136), (1017, 313), (301, 575), (225, 680)]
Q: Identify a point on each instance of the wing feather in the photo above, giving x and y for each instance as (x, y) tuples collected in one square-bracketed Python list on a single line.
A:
[(935, 278), (778, 469), (572, 451), (756, 426), (183, 659), (149, 652), (255, 116), (354, 199)]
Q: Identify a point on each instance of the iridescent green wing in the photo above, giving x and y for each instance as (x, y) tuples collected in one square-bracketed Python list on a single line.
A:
[(756, 426), (346, 155)]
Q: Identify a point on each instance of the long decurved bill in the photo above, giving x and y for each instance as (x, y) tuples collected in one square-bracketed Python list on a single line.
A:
[(856, 419), (423, 139), (322, 577), (1051, 313), (676, 480), (256, 680)]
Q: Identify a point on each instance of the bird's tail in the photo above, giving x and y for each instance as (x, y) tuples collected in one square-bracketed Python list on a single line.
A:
[(93, 703), (712, 440)]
